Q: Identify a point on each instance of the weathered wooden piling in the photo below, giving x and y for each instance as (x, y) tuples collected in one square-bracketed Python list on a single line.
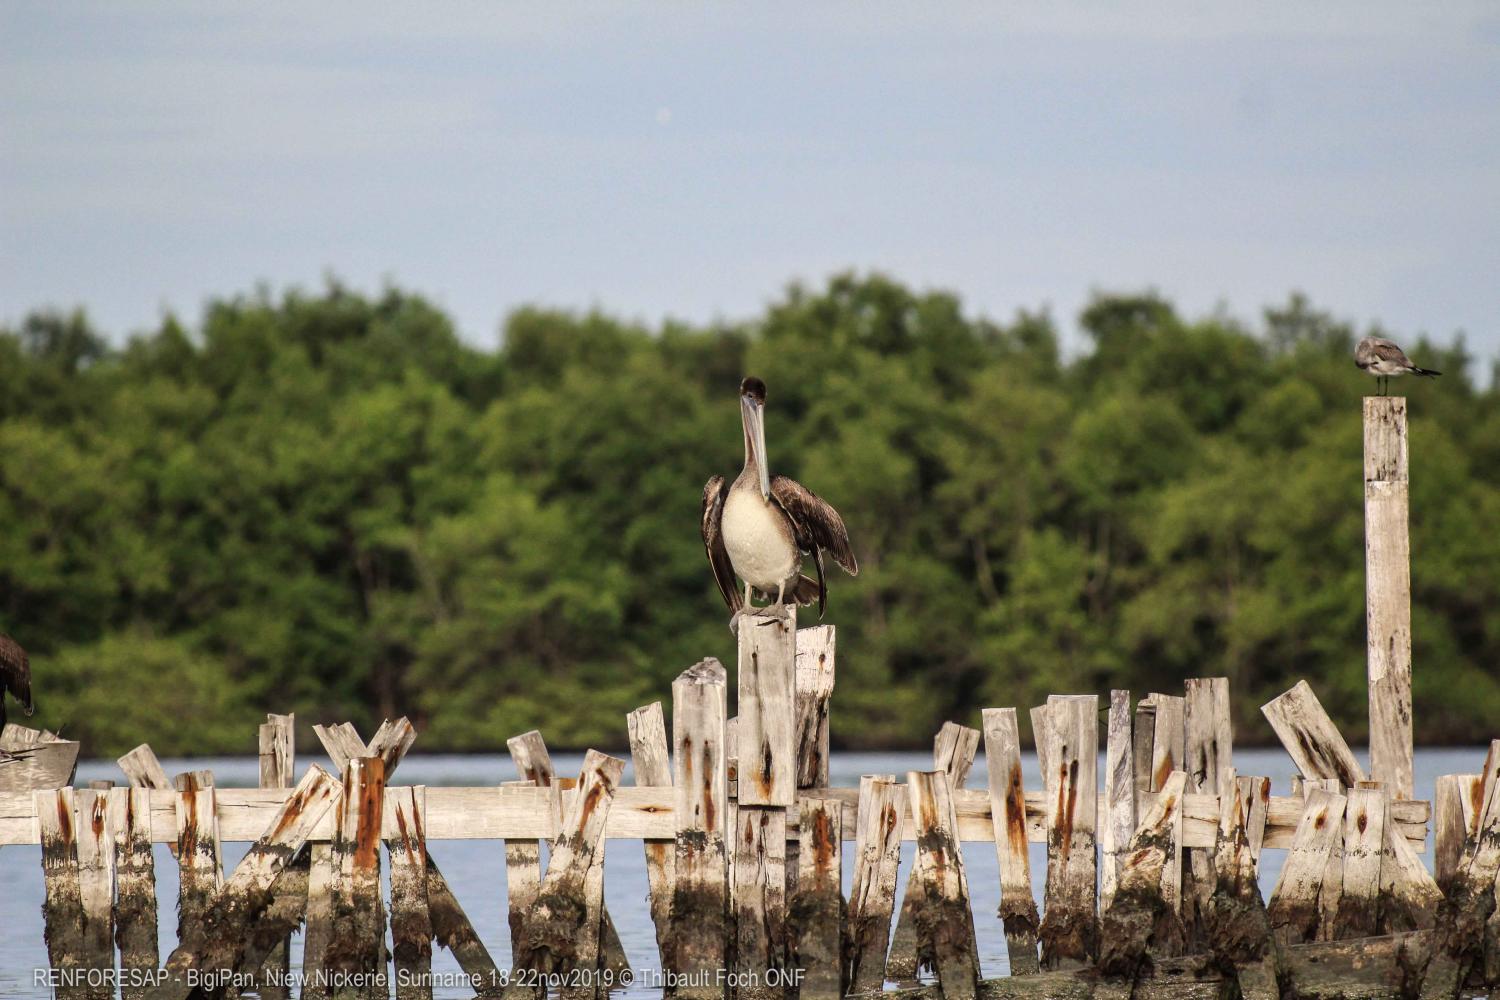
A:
[(814, 691), (199, 875), (1364, 843), (945, 922), (767, 686), (1448, 827), (1002, 753), (872, 898), (1388, 593), (452, 930), (759, 894), (1143, 920), (1119, 794), (652, 759), (564, 925), (1240, 937), (57, 819), (523, 873), (221, 942), (1069, 930), (700, 797), (96, 889), (355, 952), (135, 887), (1310, 737), (953, 752), (1293, 909), (277, 753), (404, 822), (816, 915)]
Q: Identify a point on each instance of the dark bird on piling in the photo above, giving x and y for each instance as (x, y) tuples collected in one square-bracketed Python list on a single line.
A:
[(1382, 358), (763, 526), (15, 675)]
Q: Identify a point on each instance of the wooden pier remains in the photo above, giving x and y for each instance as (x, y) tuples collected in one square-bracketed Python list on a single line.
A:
[(1152, 867)]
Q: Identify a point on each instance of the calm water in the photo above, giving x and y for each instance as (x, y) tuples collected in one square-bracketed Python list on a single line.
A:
[(476, 870)]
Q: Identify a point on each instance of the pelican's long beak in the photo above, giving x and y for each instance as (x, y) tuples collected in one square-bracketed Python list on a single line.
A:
[(752, 415)]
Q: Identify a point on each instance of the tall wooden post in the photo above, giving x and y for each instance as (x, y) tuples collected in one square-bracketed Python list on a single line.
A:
[(277, 764), (1388, 593)]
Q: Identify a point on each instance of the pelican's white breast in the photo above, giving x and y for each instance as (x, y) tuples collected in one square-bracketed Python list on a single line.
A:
[(758, 540)]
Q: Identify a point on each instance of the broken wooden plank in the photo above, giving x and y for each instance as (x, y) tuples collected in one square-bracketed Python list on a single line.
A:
[(767, 686), (1069, 932), (872, 899), (1119, 795), (63, 913), (199, 876), (322, 882), (1364, 843), (945, 923), (341, 742), (699, 935), (1388, 593), (953, 750), (1002, 753), (1293, 909), (1169, 739), (1448, 831), (1143, 920), (277, 751), (135, 888), (452, 930), (1143, 751), (1332, 889), (1310, 737), (221, 942), (760, 900), (95, 845), (355, 948), (651, 756), (523, 878), (1240, 937), (563, 929), (817, 912), (814, 689), (143, 770)]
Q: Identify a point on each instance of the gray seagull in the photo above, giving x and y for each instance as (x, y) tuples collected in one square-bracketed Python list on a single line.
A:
[(1382, 358)]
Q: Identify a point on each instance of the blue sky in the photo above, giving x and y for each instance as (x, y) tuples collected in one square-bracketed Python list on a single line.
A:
[(688, 160)]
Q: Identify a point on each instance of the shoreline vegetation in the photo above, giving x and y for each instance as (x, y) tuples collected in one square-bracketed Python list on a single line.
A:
[(330, 504)]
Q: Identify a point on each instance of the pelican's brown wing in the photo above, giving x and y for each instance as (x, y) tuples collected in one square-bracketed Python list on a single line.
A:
[(15, 672), (816, 525), (713, 542)]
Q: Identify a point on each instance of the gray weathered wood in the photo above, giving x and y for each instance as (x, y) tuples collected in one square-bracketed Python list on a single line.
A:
[(1293, 909), (63, 930), (96, 889), (341, 742), (1239, 929), (1448, 825), (652, 759), (563, 929), (953, 752), (1169, 738), (815, 676), (143, 770), (1002, 754), (945, 923), (452, 930), (1388, 593), (277, 748), (403, 821), (1459, 932), (135, 887), (1255, 795), (760, 905), (699, 937), (1310, 736), (767, 686), (322, 880), (534, 763), (1145, 742), (1364, 843), (1039, 729), (33, 759), (523, 878), (225, 934), (817, 910), (355, 948), (872, 898), (198, 873), (1143, 920), (1332, 889), (1069, 932), (1119, 794)]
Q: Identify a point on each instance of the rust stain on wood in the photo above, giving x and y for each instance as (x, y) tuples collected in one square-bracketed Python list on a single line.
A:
[(1362, 821), (1164, 772), (710, 814), (763, 779), (98, 817), (1322, 820), (1015, 809), (822, 838), (64, 822)]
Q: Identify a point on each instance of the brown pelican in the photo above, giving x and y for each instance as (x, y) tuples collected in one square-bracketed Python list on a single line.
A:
[(15, 675), (1382, 358), (762, 526)]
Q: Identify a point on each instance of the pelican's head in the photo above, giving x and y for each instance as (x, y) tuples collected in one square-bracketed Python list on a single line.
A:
[(752, 415)]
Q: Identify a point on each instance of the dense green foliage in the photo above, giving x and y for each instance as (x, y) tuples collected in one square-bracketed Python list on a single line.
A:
[(333, 505)]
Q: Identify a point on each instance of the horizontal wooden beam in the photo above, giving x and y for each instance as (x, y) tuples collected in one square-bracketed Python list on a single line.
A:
[(526, 813)]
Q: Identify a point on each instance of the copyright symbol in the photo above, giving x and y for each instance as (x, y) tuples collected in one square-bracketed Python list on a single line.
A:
[(627, 977)]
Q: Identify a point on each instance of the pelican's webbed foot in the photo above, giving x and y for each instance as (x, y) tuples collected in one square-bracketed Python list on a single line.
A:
[(780, 612)]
